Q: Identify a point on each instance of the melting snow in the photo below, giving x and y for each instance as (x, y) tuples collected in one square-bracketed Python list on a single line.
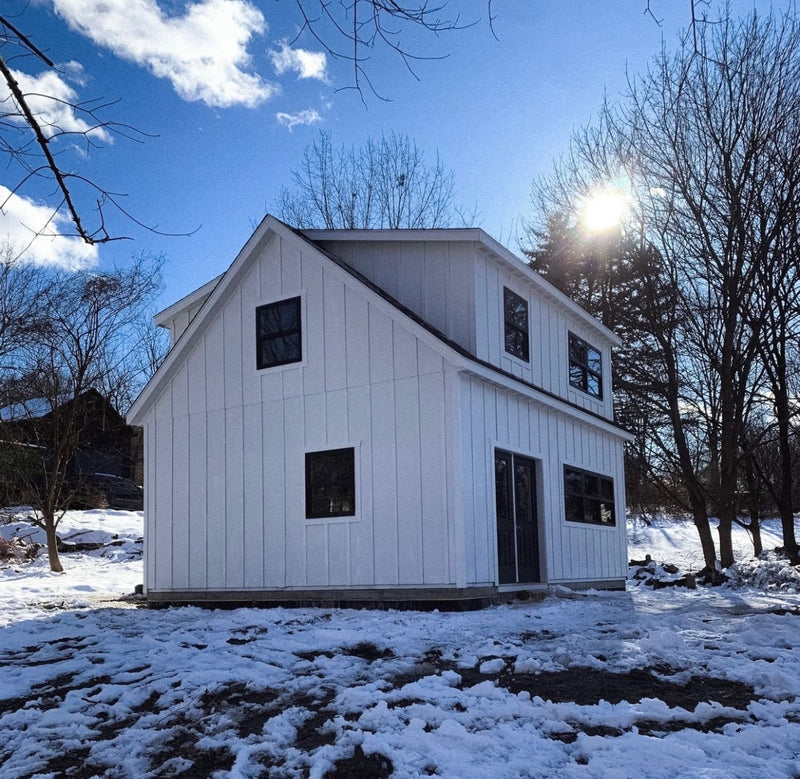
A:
[(656, 683)]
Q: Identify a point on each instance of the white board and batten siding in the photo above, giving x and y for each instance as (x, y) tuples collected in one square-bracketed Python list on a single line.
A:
[(225, 443), (494, 418), (455, 283), (434, 279)]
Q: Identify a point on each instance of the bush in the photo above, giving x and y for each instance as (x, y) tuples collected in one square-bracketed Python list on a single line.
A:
[(18, 551)]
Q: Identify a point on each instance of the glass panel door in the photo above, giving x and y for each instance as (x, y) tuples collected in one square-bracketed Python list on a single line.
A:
[(517, 526)]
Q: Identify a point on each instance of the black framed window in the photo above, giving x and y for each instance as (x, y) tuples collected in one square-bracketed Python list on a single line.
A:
[(279, 338), (585, 367), (588, 497), (330, 483), (515, 310)]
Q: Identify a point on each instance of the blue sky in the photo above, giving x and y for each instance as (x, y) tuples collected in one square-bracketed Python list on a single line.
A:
[(224, 91)]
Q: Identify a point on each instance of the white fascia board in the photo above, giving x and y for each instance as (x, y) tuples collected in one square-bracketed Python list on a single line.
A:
[(458, 234)]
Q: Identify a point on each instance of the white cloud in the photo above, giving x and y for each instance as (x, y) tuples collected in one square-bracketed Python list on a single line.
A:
[(51, 100), (203, 52), (35, 233), (307, 64), (306, 116)]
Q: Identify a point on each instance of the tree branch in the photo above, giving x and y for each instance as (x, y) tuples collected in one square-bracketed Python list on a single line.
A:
[(43, 143)]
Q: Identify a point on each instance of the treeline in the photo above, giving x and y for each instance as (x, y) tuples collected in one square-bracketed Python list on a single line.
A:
[(700, 278)]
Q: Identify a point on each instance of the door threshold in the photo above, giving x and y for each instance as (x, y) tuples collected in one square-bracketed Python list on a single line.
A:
[(530, 586)]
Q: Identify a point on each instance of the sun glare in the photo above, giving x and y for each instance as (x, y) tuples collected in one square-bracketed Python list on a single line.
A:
[(602, 210)]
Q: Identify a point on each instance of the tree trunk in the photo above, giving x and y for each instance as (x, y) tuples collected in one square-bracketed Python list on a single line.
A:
[(755, 531), (789, 541), (700, 517), (730, 425), (52, 544), (694, 490), (751, 474), (726, 557), (785, 497)]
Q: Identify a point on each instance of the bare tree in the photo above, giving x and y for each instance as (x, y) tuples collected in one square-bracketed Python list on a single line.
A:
[(384, 184), (778, 353), (713, 140), (90, 341), (707, 144), (21, 309)]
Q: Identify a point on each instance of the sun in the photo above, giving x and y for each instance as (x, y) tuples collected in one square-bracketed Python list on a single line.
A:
[(602, 210)]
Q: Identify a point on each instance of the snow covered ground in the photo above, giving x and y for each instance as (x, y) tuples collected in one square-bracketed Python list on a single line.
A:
[(643, 683)]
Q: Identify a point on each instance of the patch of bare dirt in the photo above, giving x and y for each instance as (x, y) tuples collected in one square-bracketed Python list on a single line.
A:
[(361, 766)]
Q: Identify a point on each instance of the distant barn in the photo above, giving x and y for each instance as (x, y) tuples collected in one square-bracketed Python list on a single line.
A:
[(380, 416), (105, 443)]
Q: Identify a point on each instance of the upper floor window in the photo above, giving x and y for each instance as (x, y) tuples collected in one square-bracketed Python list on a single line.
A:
[(516, 324), (330, 483), (585, 367), (278, 333), (588, 497)]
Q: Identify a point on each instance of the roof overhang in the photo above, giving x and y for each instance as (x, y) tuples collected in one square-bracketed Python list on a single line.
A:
[(198, 297)]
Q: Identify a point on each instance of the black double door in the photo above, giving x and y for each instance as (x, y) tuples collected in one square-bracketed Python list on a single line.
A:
[(517, 527)]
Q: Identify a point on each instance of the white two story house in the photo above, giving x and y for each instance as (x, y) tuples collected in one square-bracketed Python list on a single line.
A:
[(398, 417)]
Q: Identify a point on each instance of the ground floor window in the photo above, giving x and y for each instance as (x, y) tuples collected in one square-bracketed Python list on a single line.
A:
[(588, 497), (330, 483)]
